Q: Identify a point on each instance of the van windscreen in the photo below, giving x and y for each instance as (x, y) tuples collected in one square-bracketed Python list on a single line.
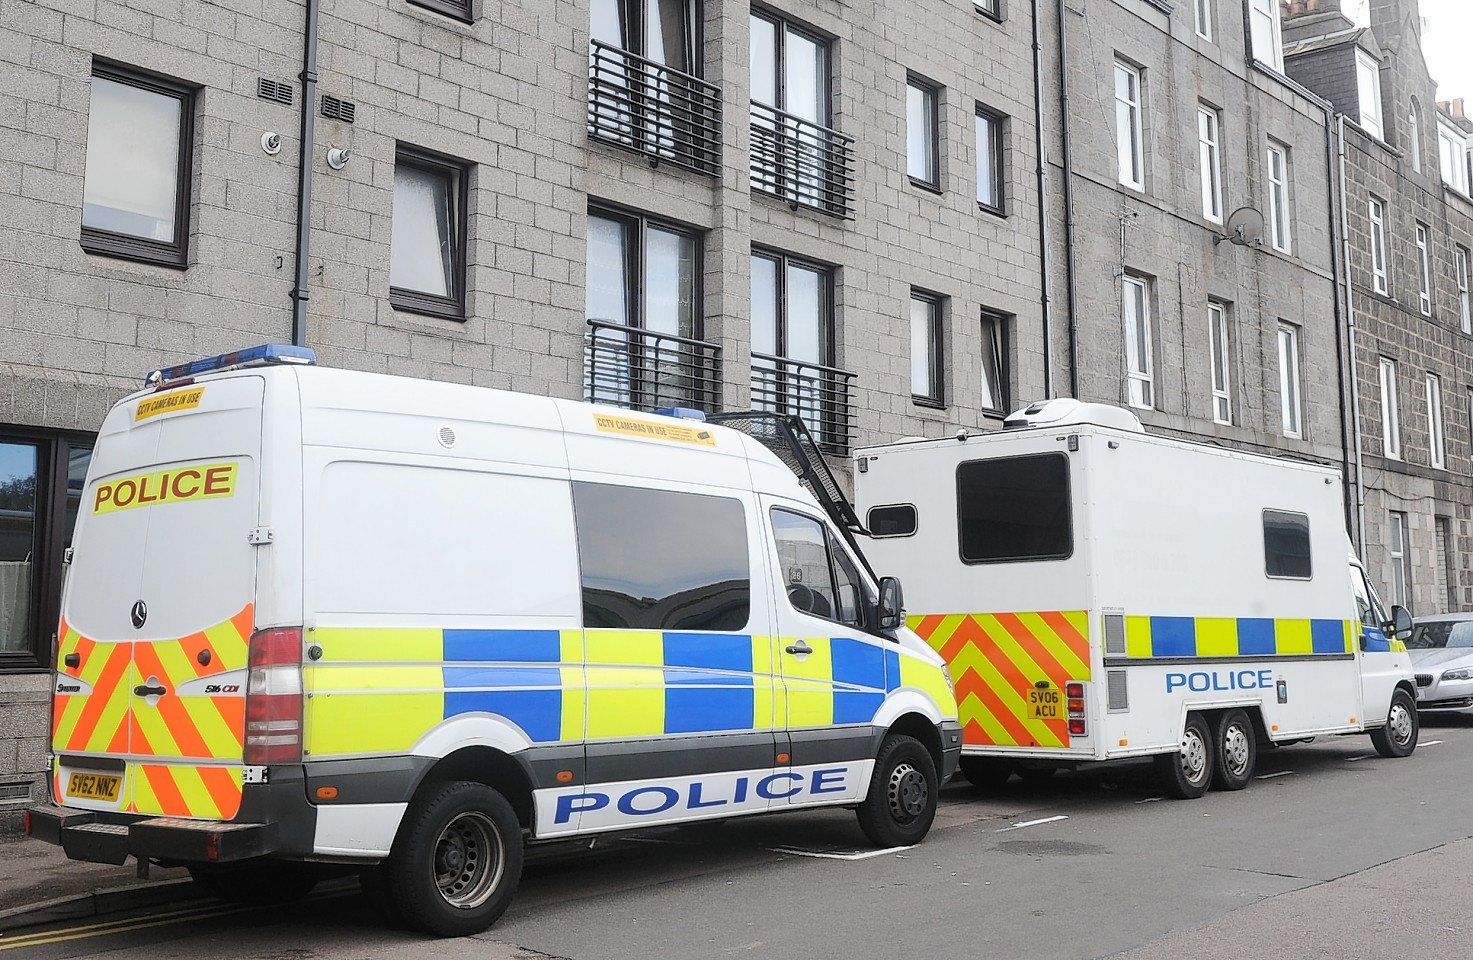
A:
[(1015, 508)]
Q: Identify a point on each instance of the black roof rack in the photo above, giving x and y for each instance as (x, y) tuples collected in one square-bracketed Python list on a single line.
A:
[(787, 436)]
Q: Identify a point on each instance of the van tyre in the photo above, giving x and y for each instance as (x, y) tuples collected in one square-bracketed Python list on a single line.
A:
[(903, 792), (269, 883), (1187, 775), (1235, 751), (986, 773), (457, 860), (1398, 738)]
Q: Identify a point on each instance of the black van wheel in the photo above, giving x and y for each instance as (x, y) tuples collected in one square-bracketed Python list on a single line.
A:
[(903, 794), (1187, 774), (1235, 748), (1398, 738), (259, 884), (457, 860)]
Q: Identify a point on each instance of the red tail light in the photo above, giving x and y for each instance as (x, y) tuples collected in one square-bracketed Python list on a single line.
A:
[(1076, 727), (273, 707), (1074, 690)]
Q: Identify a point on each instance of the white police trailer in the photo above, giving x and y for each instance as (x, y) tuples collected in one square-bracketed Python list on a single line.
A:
[(1102, 593)]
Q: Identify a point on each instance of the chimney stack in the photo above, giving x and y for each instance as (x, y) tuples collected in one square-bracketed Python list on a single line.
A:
[(1291, 9)]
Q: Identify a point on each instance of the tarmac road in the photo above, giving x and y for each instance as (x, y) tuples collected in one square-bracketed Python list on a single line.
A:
[(1334, 853)]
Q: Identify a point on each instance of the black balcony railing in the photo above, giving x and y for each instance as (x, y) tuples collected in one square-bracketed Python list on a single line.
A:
[(646, 107), (801, 162), (645, 369), (817, 394)]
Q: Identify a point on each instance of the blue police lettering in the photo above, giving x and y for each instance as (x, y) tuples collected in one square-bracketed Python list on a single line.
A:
[(626, 802), (828, 781), (695, 798), (1202, 681), (648, 800), (764, 788), (584, 801)]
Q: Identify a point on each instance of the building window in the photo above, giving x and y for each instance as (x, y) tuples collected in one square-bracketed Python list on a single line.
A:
[(1204, 18), (1368, 92), (991, 8), (1452, 156), (1210, 157), (140, 154), (1278, 196), (1220, 357), (459, 9), (1465, 311), (1378, 245), (427, 243), (1289, 400), (1136, 310), (1424, 271), (793, 346), (1268, 44), (643, 297), (41, 479), (1414, 137), (991, 128), (996, 373), (925, 348), (1401, 569), (1390, 411), (1128, 137), (921, 134), (1436, 441)]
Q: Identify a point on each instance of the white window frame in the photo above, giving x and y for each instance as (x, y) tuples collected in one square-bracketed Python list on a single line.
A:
[(1368, 94), (1267, 32), (1424, 269), (1203, 11), (1130, 148), (1291, 409), (1436, 438), (1219, 352), (1280, 216), (1376, 212), (1414, 136), (1390, 411), (1209, 155), (1139, 365), (1465, 307), (1396, 550), (1452, 156)]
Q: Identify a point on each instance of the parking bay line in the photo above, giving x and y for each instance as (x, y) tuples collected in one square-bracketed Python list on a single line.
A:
[(1270, 776), (1031, 823), (1363, 756), (823, 855), (1428, 743)]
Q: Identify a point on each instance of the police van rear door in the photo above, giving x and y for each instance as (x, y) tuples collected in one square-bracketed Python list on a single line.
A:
[(149, 711)]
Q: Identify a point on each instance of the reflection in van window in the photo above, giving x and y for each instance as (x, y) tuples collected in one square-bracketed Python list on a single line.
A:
[(1286, 544), (896, 520), (804, 548), (661, 560), (1015, 508)]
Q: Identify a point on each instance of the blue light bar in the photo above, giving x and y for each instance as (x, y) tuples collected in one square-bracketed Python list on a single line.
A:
[(681, 413), (266, 353)]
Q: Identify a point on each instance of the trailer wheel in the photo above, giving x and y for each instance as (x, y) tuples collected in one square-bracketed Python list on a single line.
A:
[(1398, 738), (1235, 744), (457, 859), (1036, 771), (1187, 774), (986, 773), (901, 803)]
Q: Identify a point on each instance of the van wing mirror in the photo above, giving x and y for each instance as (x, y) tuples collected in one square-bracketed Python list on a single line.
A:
[(1401, 622), (891, 605)]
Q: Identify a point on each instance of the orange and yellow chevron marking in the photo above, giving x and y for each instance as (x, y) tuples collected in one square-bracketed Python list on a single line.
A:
[(208, 792), (996, 658), (93, 720)]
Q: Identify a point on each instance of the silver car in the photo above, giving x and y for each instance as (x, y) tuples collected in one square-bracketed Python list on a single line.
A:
[(1441, 648)]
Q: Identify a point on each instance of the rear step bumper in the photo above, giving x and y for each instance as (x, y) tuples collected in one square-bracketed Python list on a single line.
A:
[(112, 838)]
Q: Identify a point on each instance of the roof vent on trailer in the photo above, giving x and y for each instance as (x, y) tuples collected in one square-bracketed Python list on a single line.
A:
[(1066, 411)]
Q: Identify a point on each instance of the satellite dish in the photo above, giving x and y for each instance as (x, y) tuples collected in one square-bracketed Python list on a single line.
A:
[(1244, 227)]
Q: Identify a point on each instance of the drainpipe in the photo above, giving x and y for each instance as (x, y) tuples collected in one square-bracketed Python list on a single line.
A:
[(1360, 490), (300, 293), (1044, 257), (1068, 161)]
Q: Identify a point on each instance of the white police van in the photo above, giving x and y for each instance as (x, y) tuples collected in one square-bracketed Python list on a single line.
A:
[(1101, 593), (316, 615)]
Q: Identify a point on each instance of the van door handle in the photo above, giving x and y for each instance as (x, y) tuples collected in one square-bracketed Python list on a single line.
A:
[(144, 690), (798, 648)]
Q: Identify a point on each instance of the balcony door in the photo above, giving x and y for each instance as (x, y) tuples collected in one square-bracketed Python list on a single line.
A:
[(641, 55), (793, 345), (790, 113)]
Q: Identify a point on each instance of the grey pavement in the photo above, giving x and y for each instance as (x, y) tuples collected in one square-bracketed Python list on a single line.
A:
[(32, 872)]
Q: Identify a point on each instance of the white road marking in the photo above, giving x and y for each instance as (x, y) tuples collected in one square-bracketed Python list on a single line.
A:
[(1150, 800), (1031, 823), (1270, 776), (821, 855), (1364, 756), (1428, 743)]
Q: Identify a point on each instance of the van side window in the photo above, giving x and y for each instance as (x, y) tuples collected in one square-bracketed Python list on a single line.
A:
[(661, 560), (1015, 508), (818, 576), (1286, 545)]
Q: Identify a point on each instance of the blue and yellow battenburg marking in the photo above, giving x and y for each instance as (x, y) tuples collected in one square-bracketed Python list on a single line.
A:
[(1153, 637), (378, 690)]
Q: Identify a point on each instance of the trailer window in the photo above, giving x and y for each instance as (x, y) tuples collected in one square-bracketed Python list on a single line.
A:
[(1015, 508), (897, 520), (661, 560), (1286, 545)]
